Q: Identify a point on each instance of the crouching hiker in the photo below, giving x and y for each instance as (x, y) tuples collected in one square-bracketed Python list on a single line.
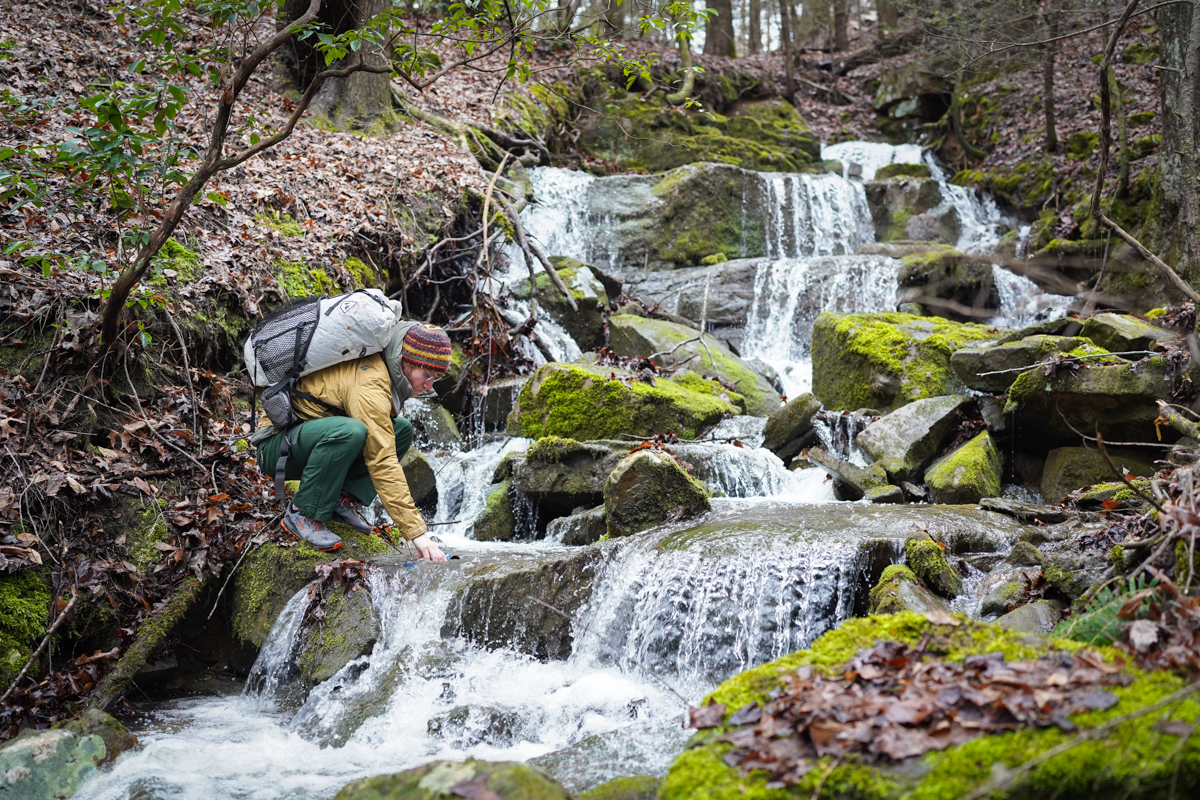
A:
[(346, 447)]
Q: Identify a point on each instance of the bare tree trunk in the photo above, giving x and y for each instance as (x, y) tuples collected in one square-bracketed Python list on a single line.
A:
[(787, 35), (718, 30), (754, 44), (956, 122), (1051, 141), (1122, 136), (689, 76), (1179, 46), (841, 25), (355, 100), (888, 15)]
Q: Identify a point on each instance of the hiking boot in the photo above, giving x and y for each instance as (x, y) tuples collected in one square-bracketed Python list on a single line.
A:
[(345, 513), (310, 530)]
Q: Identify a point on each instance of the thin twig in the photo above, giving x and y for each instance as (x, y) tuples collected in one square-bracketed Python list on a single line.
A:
[(1121, 474), (187, 373), (487, 201)]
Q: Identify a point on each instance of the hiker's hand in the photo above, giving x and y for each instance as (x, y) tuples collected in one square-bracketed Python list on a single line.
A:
[(426, 549)]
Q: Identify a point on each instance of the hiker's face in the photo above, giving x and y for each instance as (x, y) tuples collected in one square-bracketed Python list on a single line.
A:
[(421, 380)]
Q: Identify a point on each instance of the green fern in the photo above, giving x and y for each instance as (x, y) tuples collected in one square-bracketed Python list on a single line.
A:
[(1098, 624)]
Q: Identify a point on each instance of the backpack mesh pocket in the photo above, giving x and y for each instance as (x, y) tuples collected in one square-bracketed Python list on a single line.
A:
[(280, 346)]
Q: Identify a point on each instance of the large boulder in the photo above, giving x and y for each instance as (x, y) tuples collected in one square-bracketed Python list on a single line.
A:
[(587, 402), (1071, 468), (886, 360), (452, 780), (651, 135), (496, 608), (631, 336), (1134, 753), (790, 425), (647, 488), (949, 285), (1119, 400), (724, 290), (563, 474), (1121, 333), (48, 765), (1036, 619), (967, 474), (993, 368), (899, 589), (581, 528), (911, 208), (906, 440), (94, 722)]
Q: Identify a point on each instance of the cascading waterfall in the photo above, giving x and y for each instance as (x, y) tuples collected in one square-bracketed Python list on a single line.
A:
[(667, 609)]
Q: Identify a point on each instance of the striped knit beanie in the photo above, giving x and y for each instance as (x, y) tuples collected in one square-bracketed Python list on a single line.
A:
[(427, 347)]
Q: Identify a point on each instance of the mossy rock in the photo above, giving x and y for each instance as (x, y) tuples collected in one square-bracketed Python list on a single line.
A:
[(1025, 187), (299, 280), (928, 562), (790, 422), (25, 599), (271, 574), (967, 474), (349, 630), (449, 780), (911, 208), (421, 478), (1071, 468), (631, 336), (48, 765), (906, 440), (886, 360), (1121, 333), (496, 523), (564, 474), (648, 488), (654, 136), (889, 171), (586, 325), (899, 589), (948, 285), (587, 402), (94, 722), (1119, 400), (993, 368), (1133, 760)]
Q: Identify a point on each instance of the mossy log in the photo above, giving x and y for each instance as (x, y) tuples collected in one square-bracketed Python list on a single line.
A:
[(153, 631)]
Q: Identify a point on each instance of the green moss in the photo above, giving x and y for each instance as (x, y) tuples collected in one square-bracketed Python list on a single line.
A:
[(690, 380), (1187, 573), (902, 171), (938, 256), (1027, 186), (886, 360), (1140, 53), (585, 403), (1070, 247), (148, 529), (364, 276), (552, 449), (173, 256), (883, 595), (713, 260), (497, 522), (927, 560), (1116, 558), (1140, 119), (298, 280), (25, 599), (284, 223)]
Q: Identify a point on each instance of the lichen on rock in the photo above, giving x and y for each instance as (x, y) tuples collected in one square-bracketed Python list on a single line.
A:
[(967, 474), (648, 488)]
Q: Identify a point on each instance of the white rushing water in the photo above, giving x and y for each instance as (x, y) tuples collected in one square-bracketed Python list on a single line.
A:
[(669, 615)]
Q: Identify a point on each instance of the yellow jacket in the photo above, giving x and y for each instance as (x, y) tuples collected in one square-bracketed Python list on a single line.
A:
[(363, 389)]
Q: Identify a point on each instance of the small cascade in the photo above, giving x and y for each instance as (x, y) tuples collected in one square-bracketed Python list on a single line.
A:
[(871, 156), (790, 293), (1022, 302), (838, 431), (695, 610), (464, 481), (813, 215), (273, 677), (733, 471)]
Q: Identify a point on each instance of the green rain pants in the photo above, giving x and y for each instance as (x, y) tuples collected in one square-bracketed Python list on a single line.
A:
[(327, 459)]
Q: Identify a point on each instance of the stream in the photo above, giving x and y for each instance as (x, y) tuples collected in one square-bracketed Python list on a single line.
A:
[(777, 562)]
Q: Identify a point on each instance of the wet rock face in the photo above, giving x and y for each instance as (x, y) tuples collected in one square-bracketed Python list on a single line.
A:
[(790, 425), (1117, 399), (1071, 468), (497, 523), (631, 336), (349, 630), (949, 286), (1036, 618), (927, 561), (852, 482), (911, 209), (449, 780), (648, 488), (899, 589), (563, 474), (585, 527), (583, 402), (682, 291), (422, 481), (585, 325), (886, 360), (46, 765), (906, 440), (498, 606), (1005, 361)]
